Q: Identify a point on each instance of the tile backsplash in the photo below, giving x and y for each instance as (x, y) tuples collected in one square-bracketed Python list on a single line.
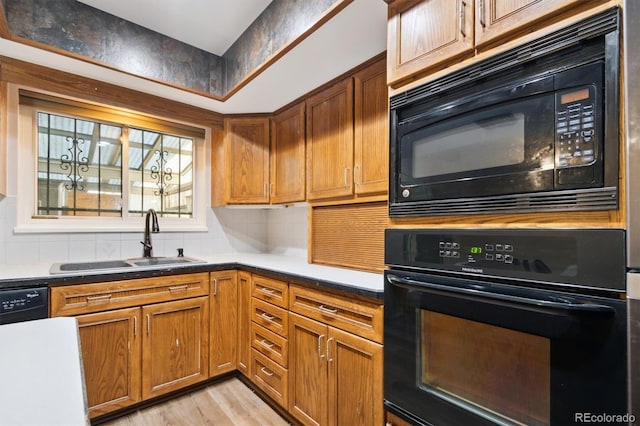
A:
[(280, 230)]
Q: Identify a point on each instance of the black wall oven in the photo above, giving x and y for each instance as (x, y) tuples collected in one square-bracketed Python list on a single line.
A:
[(534, 128), (509, 327)]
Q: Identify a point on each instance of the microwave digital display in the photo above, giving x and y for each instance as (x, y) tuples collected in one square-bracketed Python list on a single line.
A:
[(578, 95)]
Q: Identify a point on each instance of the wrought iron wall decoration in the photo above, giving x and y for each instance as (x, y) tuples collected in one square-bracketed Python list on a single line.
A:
[(160, 172), (76, 162)]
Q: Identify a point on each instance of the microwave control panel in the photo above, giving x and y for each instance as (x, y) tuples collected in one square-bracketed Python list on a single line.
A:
[(576, 134)]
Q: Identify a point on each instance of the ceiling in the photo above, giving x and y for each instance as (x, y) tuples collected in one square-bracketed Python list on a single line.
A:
[(211, 25), (351, 37)]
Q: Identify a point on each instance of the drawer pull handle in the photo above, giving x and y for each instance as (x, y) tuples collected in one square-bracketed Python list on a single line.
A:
[(267, 291), (99, 298), (175, 288), (463, 5), (135, 326), (267, 317), (327, 310), (266, 344), (266, 372), (215, 286)]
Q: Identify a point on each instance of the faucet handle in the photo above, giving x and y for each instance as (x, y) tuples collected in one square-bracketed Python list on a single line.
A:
[(180, 252)]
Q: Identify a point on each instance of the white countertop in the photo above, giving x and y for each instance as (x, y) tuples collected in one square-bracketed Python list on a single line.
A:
[(292, 265), (41, 381)]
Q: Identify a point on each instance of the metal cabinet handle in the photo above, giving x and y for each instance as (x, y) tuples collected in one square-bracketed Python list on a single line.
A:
[(326, 310), (329, 359), (173, 289), (267, 291), (266, 344), (463, 6), (266, 372), (99, 298), (266, 316), (320, 354), (481, 13), (215, 286)]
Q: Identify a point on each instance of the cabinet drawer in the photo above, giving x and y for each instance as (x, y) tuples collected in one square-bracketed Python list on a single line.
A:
[(270, 290), (359, 317), (270, 344), (270, 377), (96, 297), (269, 316)]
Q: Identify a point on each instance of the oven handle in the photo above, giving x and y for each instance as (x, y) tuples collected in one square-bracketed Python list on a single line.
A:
[(564, 304)]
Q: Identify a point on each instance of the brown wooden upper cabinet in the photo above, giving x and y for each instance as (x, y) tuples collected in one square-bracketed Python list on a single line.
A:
[(425, 34), (347, 137), (288, 156), (371, 130), (246, 160), (330, 142)]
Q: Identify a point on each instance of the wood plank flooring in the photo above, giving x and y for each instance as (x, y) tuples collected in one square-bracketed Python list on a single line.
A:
[(221, 404)]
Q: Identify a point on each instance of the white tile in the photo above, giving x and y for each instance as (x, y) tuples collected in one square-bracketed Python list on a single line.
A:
[(108, 246), (19, 253)]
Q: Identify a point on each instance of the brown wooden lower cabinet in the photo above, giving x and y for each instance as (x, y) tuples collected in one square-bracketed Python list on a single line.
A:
[(244, 323), (111, 345), (136, 352), (335, 378), (224, 322), (175, 346)]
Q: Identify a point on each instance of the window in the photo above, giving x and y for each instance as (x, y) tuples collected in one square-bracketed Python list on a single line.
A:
[(99, 168)]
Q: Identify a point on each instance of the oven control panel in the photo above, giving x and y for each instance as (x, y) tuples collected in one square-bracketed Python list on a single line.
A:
[(577, 256)]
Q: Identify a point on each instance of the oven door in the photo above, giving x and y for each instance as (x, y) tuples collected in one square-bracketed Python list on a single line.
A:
[(468, 352)]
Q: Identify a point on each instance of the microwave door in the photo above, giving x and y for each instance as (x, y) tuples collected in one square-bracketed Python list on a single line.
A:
[(506, 148)]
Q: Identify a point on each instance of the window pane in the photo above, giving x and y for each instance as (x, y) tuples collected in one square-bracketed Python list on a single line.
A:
[(79, 172), (160, 174)]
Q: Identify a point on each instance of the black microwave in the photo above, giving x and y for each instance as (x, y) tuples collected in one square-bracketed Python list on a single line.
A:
[(532, 129)]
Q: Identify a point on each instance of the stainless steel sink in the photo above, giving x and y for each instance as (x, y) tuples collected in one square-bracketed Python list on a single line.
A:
[(140, 262), (151, 261)]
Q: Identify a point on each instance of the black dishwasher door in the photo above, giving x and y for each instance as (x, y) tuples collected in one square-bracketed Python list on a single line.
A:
[(17, 305)]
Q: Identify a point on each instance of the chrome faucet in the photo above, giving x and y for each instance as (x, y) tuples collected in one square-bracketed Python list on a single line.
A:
[(151, 225)]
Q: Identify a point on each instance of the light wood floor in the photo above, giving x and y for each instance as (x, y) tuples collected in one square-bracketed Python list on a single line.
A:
[(221, 404)]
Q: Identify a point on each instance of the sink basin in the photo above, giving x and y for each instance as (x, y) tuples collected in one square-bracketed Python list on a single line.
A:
[(89, 266), (140, 262), (150, 261)]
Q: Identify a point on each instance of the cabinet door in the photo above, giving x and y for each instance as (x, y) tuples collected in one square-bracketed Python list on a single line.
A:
[(224, 322), (355, 380), (330, 142), (175, 349), (244, 323), (288, 156), (496, 18), (307, 370), (110, 343), (371, 125), (422, 34), (247, 160)]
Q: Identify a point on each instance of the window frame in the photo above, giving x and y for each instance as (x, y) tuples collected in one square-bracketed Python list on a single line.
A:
[(28, 103)]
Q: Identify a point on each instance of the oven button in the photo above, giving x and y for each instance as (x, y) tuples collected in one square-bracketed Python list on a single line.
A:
[(488, 247), (455, 246), (488, 256), (455, 254), (441, 244), (508, 247), (405, 193), (508, 258), (499, 257), (441, 253), (499, 247)]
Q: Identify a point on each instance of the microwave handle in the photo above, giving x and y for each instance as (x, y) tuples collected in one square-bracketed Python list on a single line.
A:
[(468, 290)]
